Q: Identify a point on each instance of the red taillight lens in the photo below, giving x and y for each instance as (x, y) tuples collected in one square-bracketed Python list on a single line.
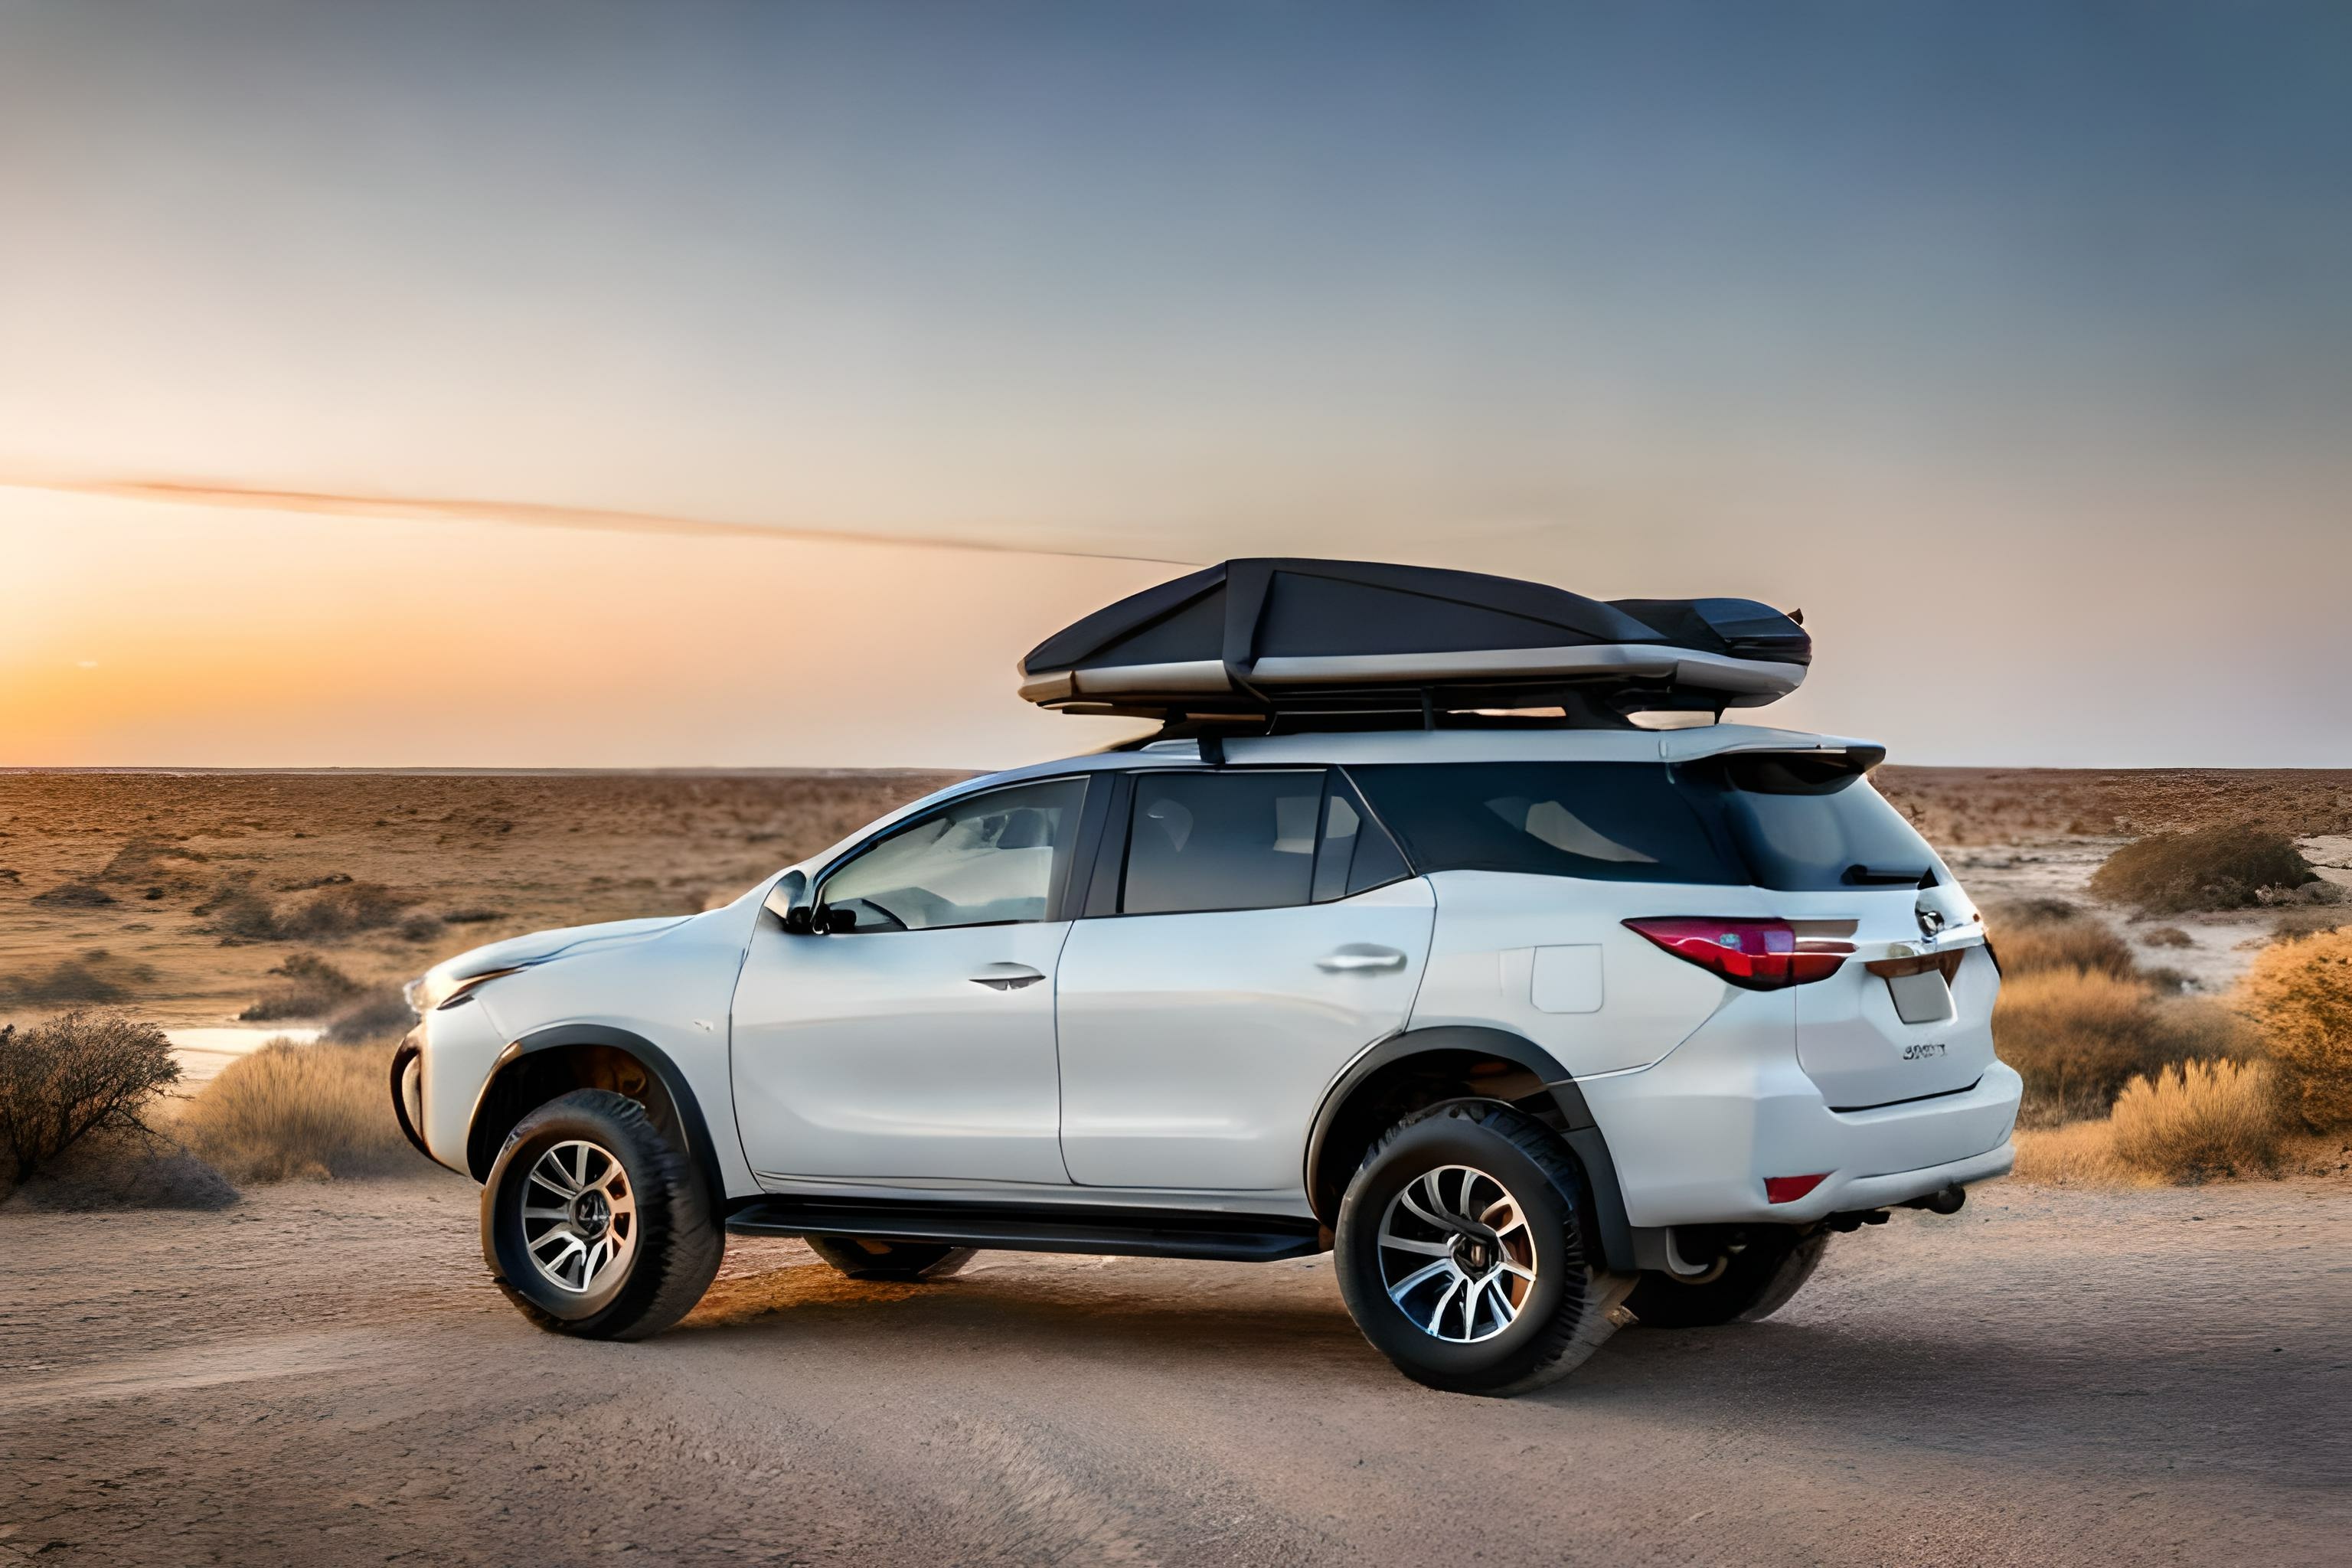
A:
[(1760, 955), (1789, 1189)]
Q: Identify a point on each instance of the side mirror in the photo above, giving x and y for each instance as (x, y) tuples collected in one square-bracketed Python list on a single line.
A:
[(788, 902)]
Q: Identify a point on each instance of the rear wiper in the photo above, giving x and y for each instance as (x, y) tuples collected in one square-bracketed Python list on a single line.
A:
[(1858, 875)]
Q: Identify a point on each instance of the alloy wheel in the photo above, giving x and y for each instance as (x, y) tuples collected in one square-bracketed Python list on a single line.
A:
[(1455, 1254)]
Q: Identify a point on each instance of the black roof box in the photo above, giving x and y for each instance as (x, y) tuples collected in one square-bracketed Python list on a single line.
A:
[(1275, 635)]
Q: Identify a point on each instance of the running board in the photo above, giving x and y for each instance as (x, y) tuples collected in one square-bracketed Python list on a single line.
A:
[(1040, 1228)]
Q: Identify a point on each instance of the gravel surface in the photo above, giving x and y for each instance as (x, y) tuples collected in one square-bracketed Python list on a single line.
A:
[(319, 1375)]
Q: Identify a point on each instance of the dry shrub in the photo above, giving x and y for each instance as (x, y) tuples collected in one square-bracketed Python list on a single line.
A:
[(2078, 1154), (2166, 936), (2224, 866), (342, 909), (289, 1111), (2077, 1036), (2030, 941), (76, 1074), (74, 896), (95, 975), (313, 988), (2299, 995), (380, 1014), (2199, 1122)]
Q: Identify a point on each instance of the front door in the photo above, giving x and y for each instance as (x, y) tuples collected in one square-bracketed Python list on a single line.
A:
[(1267, 932), (914, 1041)]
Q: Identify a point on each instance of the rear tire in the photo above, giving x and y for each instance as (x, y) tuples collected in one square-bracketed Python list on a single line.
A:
[(862, 1257), (1756, 1282), (594, 1224), (1461, 1254)]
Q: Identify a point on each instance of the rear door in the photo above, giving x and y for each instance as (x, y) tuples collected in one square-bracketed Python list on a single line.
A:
[(1254, 931), (1910, 1014)]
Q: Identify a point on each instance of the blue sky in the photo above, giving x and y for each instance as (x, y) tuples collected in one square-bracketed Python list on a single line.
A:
[(2012, 342)]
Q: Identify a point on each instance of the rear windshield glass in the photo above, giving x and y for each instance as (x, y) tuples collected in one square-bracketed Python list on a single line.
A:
[(1615, 822), (1810, 824)]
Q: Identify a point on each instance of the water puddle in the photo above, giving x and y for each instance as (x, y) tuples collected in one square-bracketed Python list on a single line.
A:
[(202, 1052)]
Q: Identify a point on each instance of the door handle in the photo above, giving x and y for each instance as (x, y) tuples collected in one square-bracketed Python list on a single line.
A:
[(1006, 976), (1360, 956)]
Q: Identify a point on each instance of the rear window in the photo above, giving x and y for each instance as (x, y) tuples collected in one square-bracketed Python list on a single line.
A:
[(1614, 822), (1813, 824)]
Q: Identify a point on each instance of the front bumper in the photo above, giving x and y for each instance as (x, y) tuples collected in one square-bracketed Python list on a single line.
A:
[(1694, 1136)]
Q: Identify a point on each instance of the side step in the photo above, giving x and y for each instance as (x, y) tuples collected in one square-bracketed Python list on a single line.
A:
[(1040, 1228)]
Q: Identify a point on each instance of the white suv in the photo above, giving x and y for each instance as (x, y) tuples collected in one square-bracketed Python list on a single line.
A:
[(1539, 1030)]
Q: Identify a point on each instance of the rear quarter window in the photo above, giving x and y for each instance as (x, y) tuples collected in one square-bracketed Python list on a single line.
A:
[(1613, 822)]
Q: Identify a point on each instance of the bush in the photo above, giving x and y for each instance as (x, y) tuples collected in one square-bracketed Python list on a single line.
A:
[(2167, 936), (381, 1014), (2036, 934), (2299, 995), (2200, 1122), (2225, 867), (96, 975), (289, 1111), (313, 988), (76, 1074), (2079, 1153), (74, 896), (342, 909), (2077, 1036)]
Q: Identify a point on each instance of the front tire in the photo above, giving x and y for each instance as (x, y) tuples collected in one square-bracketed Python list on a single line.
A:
[(594, 1224), (1756, 1282), (862, 1257), (1461, 1254)]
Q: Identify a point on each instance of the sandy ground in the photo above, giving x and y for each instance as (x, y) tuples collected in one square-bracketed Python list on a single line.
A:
[(321, 1375)]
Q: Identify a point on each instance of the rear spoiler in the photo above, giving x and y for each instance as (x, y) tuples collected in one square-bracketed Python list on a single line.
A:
[(1727, 740)]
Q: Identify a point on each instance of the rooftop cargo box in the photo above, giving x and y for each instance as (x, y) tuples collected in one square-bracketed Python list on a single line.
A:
[(1269, 637)]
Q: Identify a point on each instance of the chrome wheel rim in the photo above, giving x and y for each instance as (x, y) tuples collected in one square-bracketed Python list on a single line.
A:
[(1456, 1254), (579, 1217)]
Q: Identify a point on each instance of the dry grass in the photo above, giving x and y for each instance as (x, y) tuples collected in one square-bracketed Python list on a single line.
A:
[(2037, 934), (2077, 1036), (2299, 995), (289, 1111), (2227, 865), (2077, 1154), (311, 988), (2200, 1122)]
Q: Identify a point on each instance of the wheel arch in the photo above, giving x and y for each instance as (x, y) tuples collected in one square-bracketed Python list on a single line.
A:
[(1423, 1066), (547, 1062)]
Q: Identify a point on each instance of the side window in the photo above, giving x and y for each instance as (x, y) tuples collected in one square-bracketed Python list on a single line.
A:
[(987, 860), (1616, 822), (1355, 854), (1221, 841)]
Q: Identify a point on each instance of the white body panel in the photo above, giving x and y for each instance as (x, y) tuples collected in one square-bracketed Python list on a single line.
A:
[(1179, 1060), (1195, 1048), (883, 1055)]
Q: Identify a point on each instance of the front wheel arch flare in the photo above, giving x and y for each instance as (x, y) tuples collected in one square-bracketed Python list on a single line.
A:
[(540, 1065)]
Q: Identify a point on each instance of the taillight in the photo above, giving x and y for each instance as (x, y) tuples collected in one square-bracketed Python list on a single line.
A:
[(1758, 955)]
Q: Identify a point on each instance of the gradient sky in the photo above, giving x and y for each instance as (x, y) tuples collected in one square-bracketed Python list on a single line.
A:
[(2012, 342)]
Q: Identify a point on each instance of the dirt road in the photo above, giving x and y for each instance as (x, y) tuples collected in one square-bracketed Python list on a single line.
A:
[(321, 1375)]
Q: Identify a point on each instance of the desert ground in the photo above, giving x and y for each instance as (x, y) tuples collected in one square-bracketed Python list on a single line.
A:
[(319, 1372)]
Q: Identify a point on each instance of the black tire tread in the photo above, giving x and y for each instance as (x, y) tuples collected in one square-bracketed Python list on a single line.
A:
[(680, 1246), (1584, 1323)]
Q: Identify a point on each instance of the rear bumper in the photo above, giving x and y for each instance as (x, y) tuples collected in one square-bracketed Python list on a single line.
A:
[(1694, 1136)]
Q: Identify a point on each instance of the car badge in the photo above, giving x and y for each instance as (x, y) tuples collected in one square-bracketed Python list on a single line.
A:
[(1931, 921)]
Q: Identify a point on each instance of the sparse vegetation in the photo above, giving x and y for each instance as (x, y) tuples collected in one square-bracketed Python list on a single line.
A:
[(74, 896), (312, 988), (334, 911), (378, 1013), (291, 1111), (76, 1074), (2227, 866), (2077, 1036), (91, 976), (2166, 936), (2299, 995), (2200, 1122), (2037, 934)]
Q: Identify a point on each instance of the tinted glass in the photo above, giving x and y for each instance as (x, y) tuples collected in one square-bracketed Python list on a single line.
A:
[(987, 860), (1617, 822), (1220, 841), (1806, 824), (1356, 853)]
